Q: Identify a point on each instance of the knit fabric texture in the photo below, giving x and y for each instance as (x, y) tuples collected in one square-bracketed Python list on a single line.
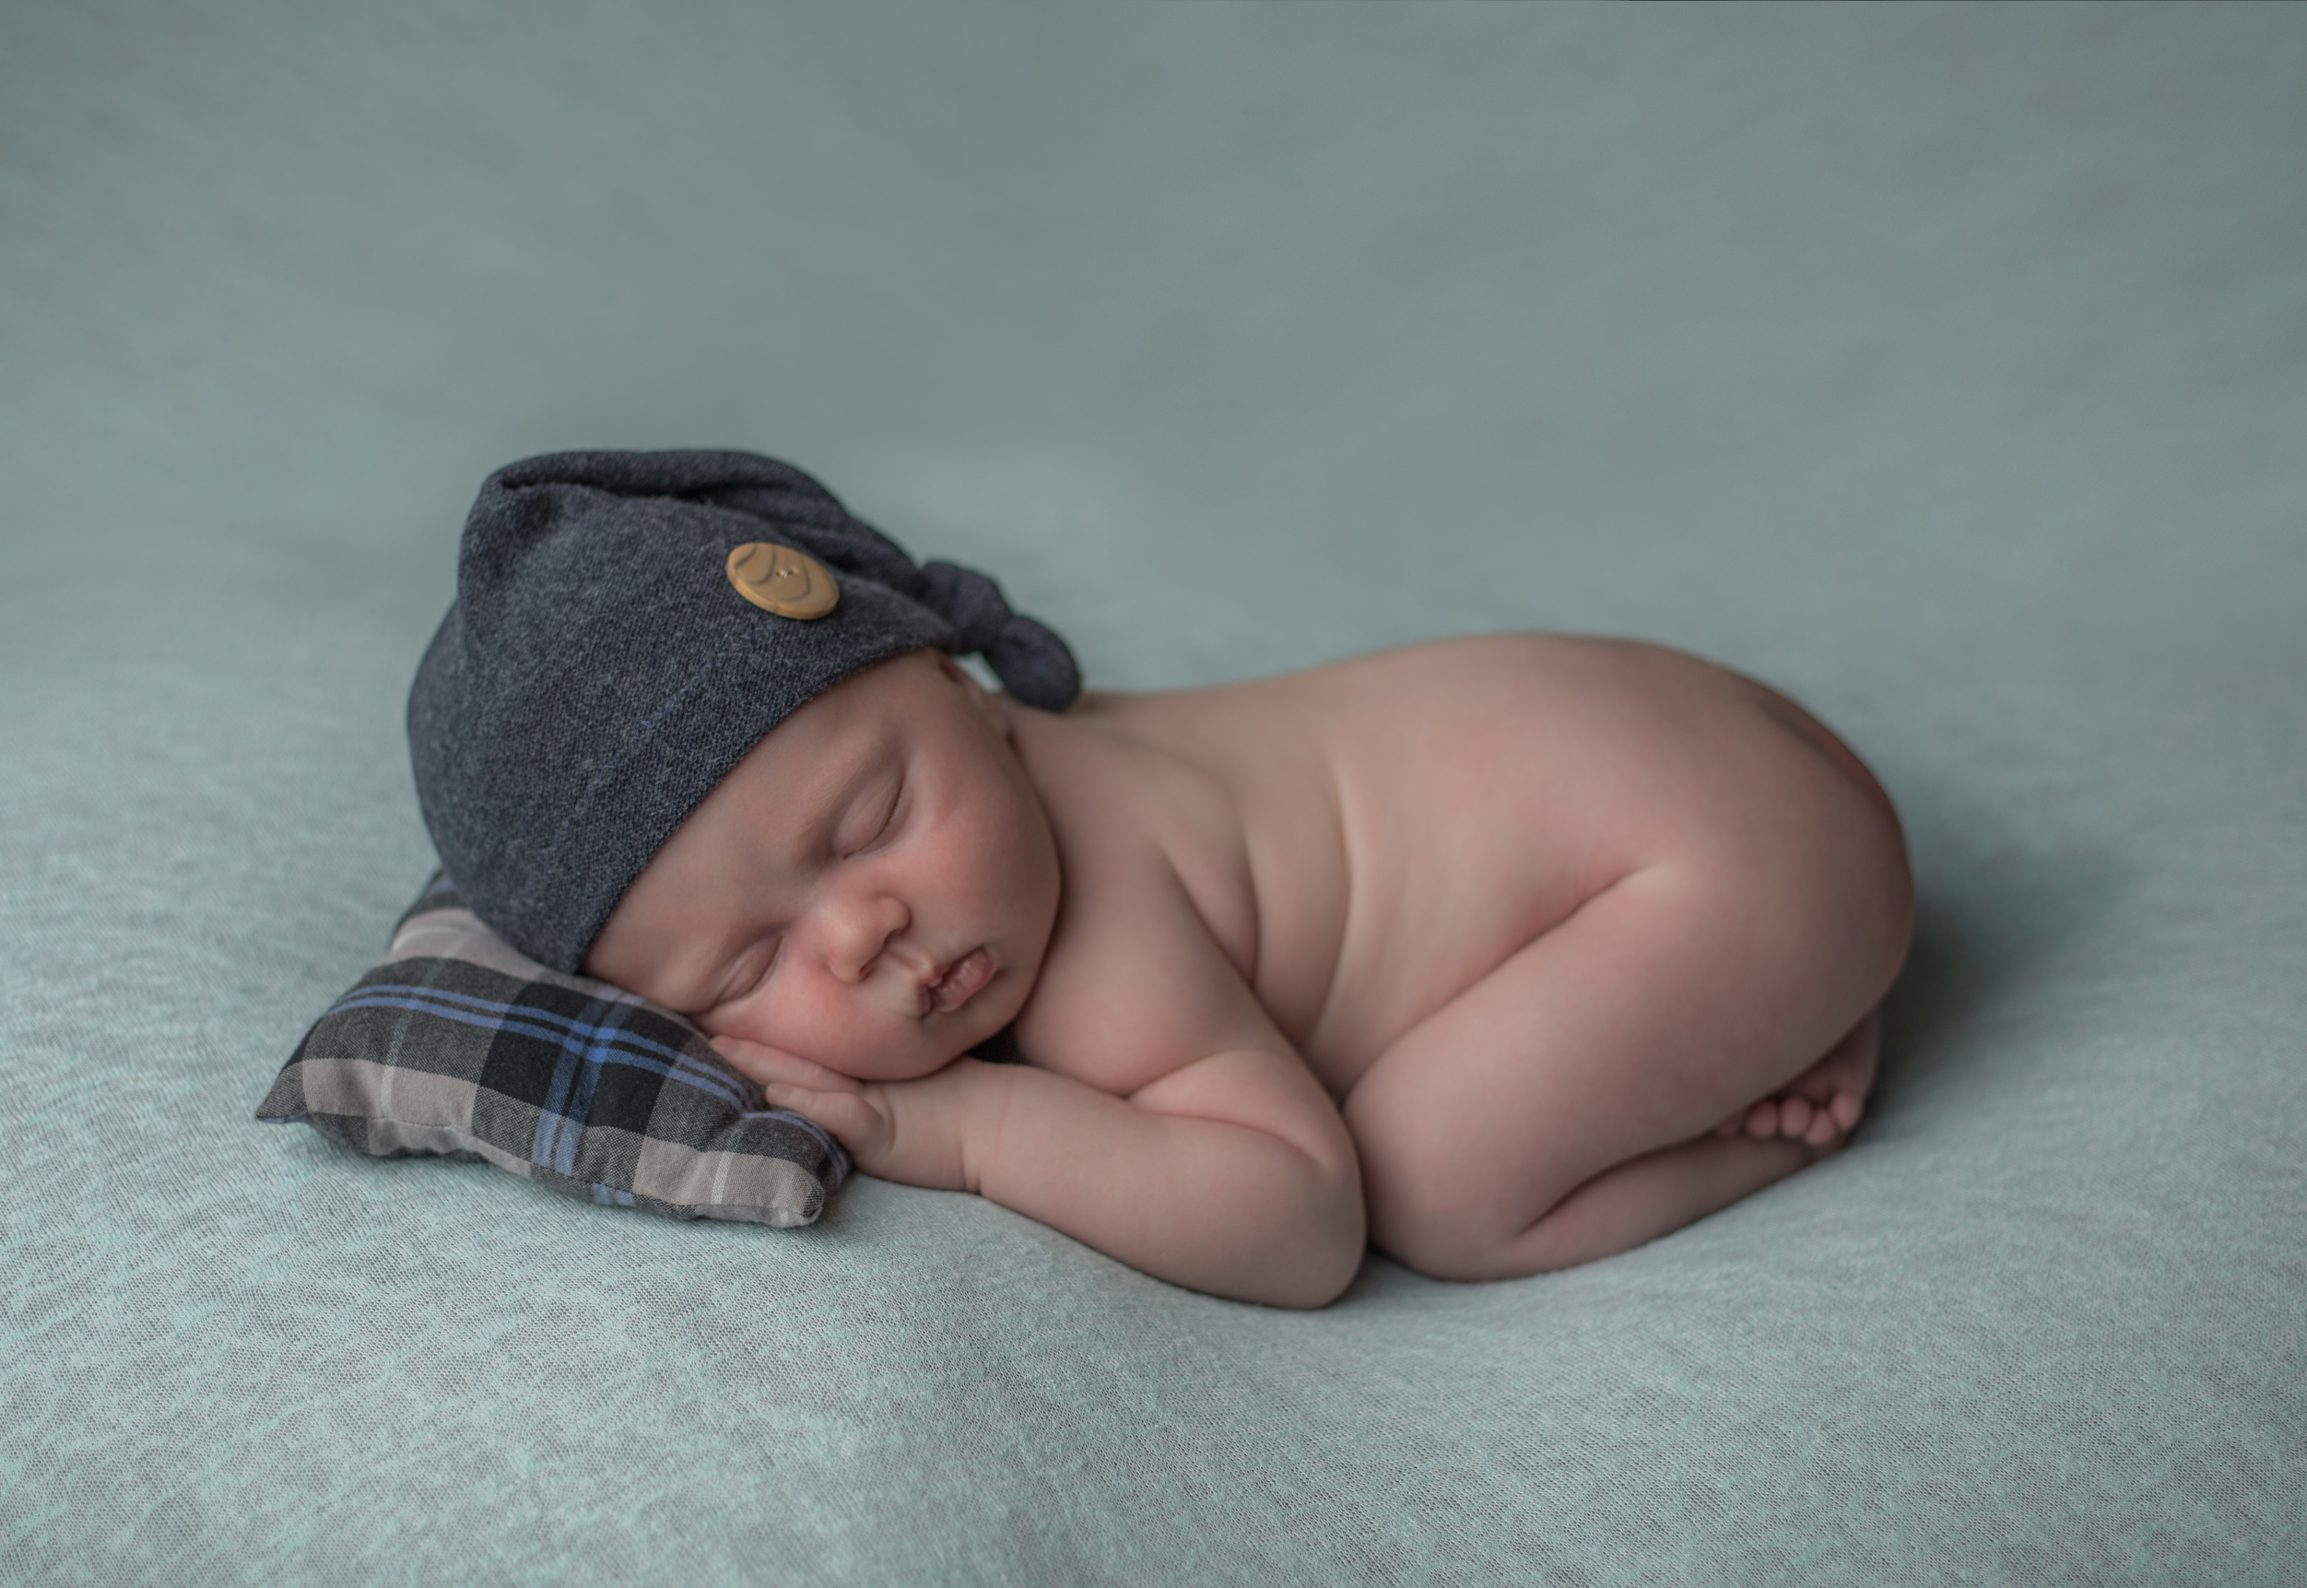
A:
[(599, 670)]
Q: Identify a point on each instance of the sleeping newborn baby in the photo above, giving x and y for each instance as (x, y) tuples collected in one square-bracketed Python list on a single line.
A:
[(1502, 953)]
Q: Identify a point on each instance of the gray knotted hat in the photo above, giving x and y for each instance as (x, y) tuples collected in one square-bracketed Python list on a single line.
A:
[(627, 626)]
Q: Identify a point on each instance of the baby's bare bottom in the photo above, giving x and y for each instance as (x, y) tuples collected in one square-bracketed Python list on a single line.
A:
[(1585, 1097)]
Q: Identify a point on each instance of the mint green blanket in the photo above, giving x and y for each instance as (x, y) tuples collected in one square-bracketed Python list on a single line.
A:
[(1944, 367)]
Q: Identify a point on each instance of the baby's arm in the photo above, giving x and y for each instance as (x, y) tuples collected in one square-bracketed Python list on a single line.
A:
[(1222, 1176), (1231, 1175), (1166, 1120), (1161, 1117)]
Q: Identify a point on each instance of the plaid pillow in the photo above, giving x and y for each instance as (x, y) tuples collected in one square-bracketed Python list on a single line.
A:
[(457, 1046)]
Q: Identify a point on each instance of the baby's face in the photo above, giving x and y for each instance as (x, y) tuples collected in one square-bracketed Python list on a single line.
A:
[(874, 838)]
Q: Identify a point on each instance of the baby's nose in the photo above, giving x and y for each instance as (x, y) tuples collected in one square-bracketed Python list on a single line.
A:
[(868, 931)]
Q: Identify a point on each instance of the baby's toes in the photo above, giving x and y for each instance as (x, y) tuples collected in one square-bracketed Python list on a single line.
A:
[(1794, 1116), (1845, 1110)]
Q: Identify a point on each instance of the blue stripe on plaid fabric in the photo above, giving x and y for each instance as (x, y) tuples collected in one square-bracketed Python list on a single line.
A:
[(451, 1034), (569, 1099), (492, 1014)]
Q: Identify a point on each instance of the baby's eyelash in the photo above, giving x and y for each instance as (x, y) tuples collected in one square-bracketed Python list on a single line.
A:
[(749, 988), (890, 822)]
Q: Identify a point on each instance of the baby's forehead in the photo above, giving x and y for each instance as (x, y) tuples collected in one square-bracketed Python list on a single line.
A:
[(896, 709), (796, 766)]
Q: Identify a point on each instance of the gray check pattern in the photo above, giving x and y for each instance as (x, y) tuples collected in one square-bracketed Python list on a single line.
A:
[(458, 1046)]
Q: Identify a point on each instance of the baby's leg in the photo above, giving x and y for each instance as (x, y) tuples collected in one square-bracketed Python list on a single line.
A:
[(1557, 1111)]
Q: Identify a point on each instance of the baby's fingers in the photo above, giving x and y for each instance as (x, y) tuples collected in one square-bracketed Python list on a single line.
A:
[(763, 1063), (857, 1123)]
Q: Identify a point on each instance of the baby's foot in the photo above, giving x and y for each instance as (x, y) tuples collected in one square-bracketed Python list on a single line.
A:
[(1823, 1102)]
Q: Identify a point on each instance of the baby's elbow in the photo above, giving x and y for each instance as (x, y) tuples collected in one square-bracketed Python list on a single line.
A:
[(1325, 1281), (1328, 1248)]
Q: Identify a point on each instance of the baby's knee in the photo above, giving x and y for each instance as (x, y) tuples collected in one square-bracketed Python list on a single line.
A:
[(1430, 1207)]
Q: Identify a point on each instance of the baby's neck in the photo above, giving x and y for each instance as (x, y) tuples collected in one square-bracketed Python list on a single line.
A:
[(1056, 748), (1113, 754)]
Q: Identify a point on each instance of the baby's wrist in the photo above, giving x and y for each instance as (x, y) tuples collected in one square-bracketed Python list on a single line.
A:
[(988, 1089)]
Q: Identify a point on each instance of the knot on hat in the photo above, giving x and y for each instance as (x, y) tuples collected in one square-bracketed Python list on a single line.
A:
[(1031, 661)]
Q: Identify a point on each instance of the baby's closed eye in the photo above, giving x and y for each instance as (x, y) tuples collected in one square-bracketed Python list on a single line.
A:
[(888, 821)]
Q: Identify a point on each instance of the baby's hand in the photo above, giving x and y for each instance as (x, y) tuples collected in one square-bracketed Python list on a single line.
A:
[(913, 1132)]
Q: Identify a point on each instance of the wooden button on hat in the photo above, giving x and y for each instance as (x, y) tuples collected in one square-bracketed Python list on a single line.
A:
[(779, 579)]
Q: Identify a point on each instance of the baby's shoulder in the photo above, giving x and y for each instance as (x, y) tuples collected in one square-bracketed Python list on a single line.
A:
[(1134, 985)]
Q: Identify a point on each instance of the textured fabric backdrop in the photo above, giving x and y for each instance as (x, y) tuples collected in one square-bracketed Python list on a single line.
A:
[(1941, 366)]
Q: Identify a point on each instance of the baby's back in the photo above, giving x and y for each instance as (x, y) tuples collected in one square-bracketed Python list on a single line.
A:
[(1369, 837)]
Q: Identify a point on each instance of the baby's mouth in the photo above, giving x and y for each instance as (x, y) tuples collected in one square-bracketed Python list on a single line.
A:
[(958, 983)]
